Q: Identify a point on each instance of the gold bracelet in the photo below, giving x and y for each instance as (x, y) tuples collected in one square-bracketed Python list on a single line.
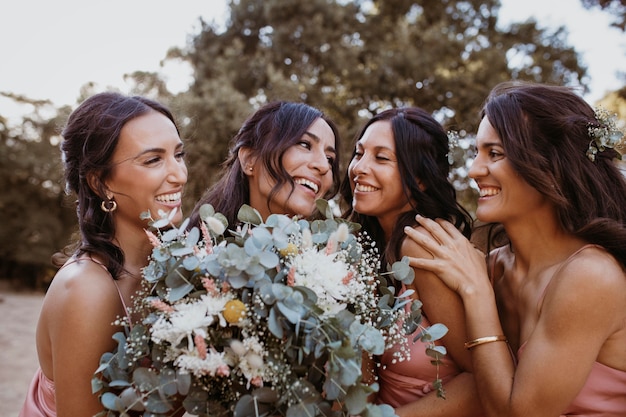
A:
[(483, 340)]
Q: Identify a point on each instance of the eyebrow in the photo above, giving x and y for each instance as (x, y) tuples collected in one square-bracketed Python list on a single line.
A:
[(377, 148), (147, 151), (490, 144), (318, 140), (157, 150)]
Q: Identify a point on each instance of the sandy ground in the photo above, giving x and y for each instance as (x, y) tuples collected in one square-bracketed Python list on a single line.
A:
[(19, 312)]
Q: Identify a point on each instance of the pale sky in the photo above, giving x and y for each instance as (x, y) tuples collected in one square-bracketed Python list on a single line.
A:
[(50, 48)]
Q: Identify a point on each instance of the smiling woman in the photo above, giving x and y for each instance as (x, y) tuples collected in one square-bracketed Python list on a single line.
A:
[(283, 158), (122, 156)]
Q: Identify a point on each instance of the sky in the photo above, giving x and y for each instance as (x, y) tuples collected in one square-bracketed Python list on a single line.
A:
[(50, 49)]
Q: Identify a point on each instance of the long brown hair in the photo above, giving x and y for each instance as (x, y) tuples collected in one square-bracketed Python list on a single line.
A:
[(422, 151), (90, 137), (268, 133), (545, 134)]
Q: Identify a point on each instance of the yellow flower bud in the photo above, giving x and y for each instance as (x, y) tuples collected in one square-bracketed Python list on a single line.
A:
[(290, 250), (234, 311)]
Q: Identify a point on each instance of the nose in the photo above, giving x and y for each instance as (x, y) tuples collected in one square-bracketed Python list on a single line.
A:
[(478, 168), (359, 166), (177, 172), (319, 162)]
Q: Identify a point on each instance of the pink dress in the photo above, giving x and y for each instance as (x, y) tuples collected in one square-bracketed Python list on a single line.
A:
[(604, 392), (40, 399), (404, 382)]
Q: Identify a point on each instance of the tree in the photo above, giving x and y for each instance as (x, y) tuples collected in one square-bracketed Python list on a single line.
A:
[(37, 219), (353, 58)]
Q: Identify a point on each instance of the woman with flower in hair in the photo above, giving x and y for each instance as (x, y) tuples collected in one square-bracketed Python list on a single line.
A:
[(400, 168), (546, 314), (122, 156), (283, 158)]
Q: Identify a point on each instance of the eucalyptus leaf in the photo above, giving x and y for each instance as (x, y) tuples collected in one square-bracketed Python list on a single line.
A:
[(206, 210), (356, 400), (435, 332), (111, 401), (250, 215), (402, 271)]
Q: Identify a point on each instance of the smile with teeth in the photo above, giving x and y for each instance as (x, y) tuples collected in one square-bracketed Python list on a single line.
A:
[(364, 188), (487, 192), (169, 198), (309, 184)]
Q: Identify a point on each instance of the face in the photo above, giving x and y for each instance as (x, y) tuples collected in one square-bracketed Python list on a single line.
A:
[(375, 176), (309, 163), (504, 194), (149, 171)]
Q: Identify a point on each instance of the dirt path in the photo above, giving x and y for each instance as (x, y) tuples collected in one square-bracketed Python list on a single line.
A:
[(19, 312)]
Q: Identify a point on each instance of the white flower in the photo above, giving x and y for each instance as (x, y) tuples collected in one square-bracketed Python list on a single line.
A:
[(215, 306), (213, 364), (186, 320), (247, 355), (324, 274)]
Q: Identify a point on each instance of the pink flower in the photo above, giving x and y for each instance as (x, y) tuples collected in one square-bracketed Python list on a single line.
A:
[(162, 306), (347, 278), (209, 286), (223, 370), (291, 276), (154, 241), (200, 346), (257, 381)]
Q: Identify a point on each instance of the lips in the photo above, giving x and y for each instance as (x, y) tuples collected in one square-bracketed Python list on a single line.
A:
[(313, 186), (169, 198), (489, 191), (364, 188)]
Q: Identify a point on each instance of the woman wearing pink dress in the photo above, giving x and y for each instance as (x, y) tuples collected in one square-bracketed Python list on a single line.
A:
[(555, 294), (122, 156), (400, 168)]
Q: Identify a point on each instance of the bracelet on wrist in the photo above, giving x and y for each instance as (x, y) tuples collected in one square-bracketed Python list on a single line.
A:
[(482, 340)]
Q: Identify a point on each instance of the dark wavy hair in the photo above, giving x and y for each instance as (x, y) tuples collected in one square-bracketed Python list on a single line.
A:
[(268, 133), (90, 137), (545, 135), (422, 152)]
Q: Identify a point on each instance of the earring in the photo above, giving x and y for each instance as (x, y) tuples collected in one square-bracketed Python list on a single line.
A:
[(108, 206)]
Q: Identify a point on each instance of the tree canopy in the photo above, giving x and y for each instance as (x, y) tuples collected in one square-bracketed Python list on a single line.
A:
[(348, 58)]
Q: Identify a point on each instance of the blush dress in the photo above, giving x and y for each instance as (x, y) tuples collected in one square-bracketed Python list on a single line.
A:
[(404, 382)]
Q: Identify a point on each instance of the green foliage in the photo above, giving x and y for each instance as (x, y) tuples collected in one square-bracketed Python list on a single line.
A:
[(352, 59), (306, 306), (348, 58), (37, 220)]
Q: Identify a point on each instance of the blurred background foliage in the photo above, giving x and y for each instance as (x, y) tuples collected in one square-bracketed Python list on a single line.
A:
[(351, 59)]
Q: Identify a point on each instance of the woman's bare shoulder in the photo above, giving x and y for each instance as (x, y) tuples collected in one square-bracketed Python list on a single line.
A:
[(81, 283)]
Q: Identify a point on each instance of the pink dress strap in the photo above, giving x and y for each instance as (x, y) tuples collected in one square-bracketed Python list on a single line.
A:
[(40, 399), (119, 292), (604, 391)]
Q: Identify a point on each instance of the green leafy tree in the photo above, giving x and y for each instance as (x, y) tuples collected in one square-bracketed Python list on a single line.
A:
[(353, 58), (37, 219)]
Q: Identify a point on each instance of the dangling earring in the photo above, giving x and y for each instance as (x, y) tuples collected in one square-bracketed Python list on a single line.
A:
[(108, 206)]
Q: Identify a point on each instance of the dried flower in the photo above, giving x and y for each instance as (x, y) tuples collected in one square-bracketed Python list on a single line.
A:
[(603, 135)]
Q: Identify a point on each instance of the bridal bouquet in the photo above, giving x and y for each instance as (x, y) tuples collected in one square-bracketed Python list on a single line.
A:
[(272, 320)]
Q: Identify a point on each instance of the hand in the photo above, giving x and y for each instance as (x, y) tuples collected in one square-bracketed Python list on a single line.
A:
[(455, 261)]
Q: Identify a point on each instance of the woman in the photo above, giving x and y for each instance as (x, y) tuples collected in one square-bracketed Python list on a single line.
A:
[(283, 158), (545, 172), (122, 156), (400, 168)]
